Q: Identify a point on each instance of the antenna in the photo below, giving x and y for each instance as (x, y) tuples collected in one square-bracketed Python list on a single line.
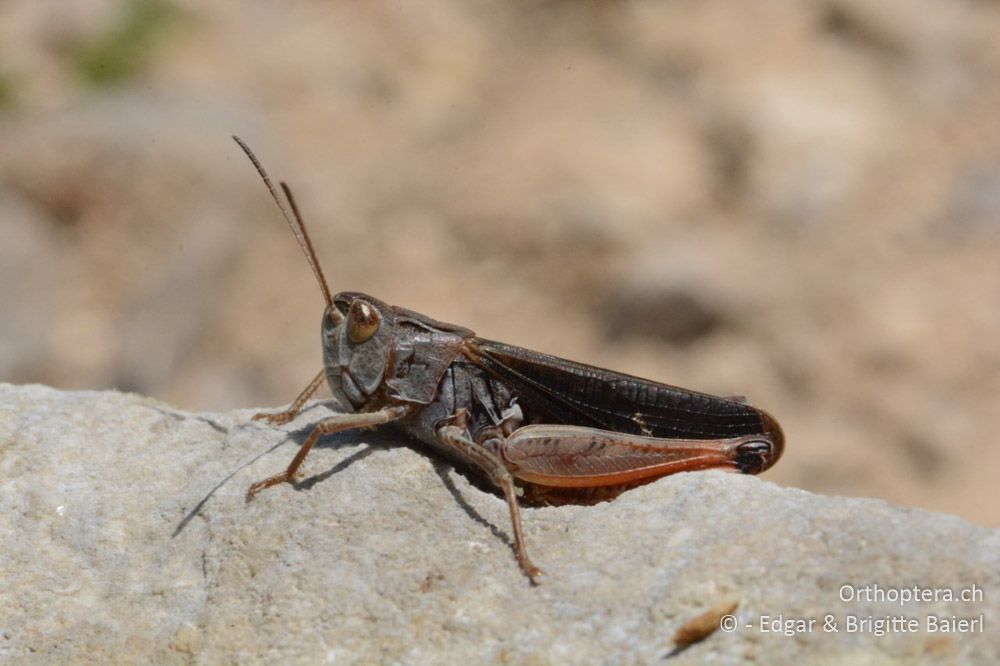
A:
[(294, 223)]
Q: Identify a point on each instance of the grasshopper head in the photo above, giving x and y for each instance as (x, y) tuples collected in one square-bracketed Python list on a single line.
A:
[(357, 331), (357, 328)]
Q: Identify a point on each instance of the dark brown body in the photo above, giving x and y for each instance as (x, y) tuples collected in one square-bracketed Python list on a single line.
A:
[(487, 378), (636, 429), (541, 428)]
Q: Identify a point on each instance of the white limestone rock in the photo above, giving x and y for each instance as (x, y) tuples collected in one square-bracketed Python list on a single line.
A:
[(125, 538)]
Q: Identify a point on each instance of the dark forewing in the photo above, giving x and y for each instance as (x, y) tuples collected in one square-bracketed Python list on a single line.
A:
[(554, 390)]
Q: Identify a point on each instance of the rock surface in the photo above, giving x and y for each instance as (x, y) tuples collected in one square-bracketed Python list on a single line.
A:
[(125, 537)]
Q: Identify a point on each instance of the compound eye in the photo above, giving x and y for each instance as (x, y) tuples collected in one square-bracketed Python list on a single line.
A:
[(362, 321)]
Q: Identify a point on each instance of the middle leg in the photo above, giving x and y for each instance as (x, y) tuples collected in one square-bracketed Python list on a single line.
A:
[(456, 438)]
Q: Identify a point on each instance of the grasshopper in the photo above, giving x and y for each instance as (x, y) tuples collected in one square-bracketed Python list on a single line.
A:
[(542, 429)]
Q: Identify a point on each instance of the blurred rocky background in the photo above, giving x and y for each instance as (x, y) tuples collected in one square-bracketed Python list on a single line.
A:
[(798, 201)]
